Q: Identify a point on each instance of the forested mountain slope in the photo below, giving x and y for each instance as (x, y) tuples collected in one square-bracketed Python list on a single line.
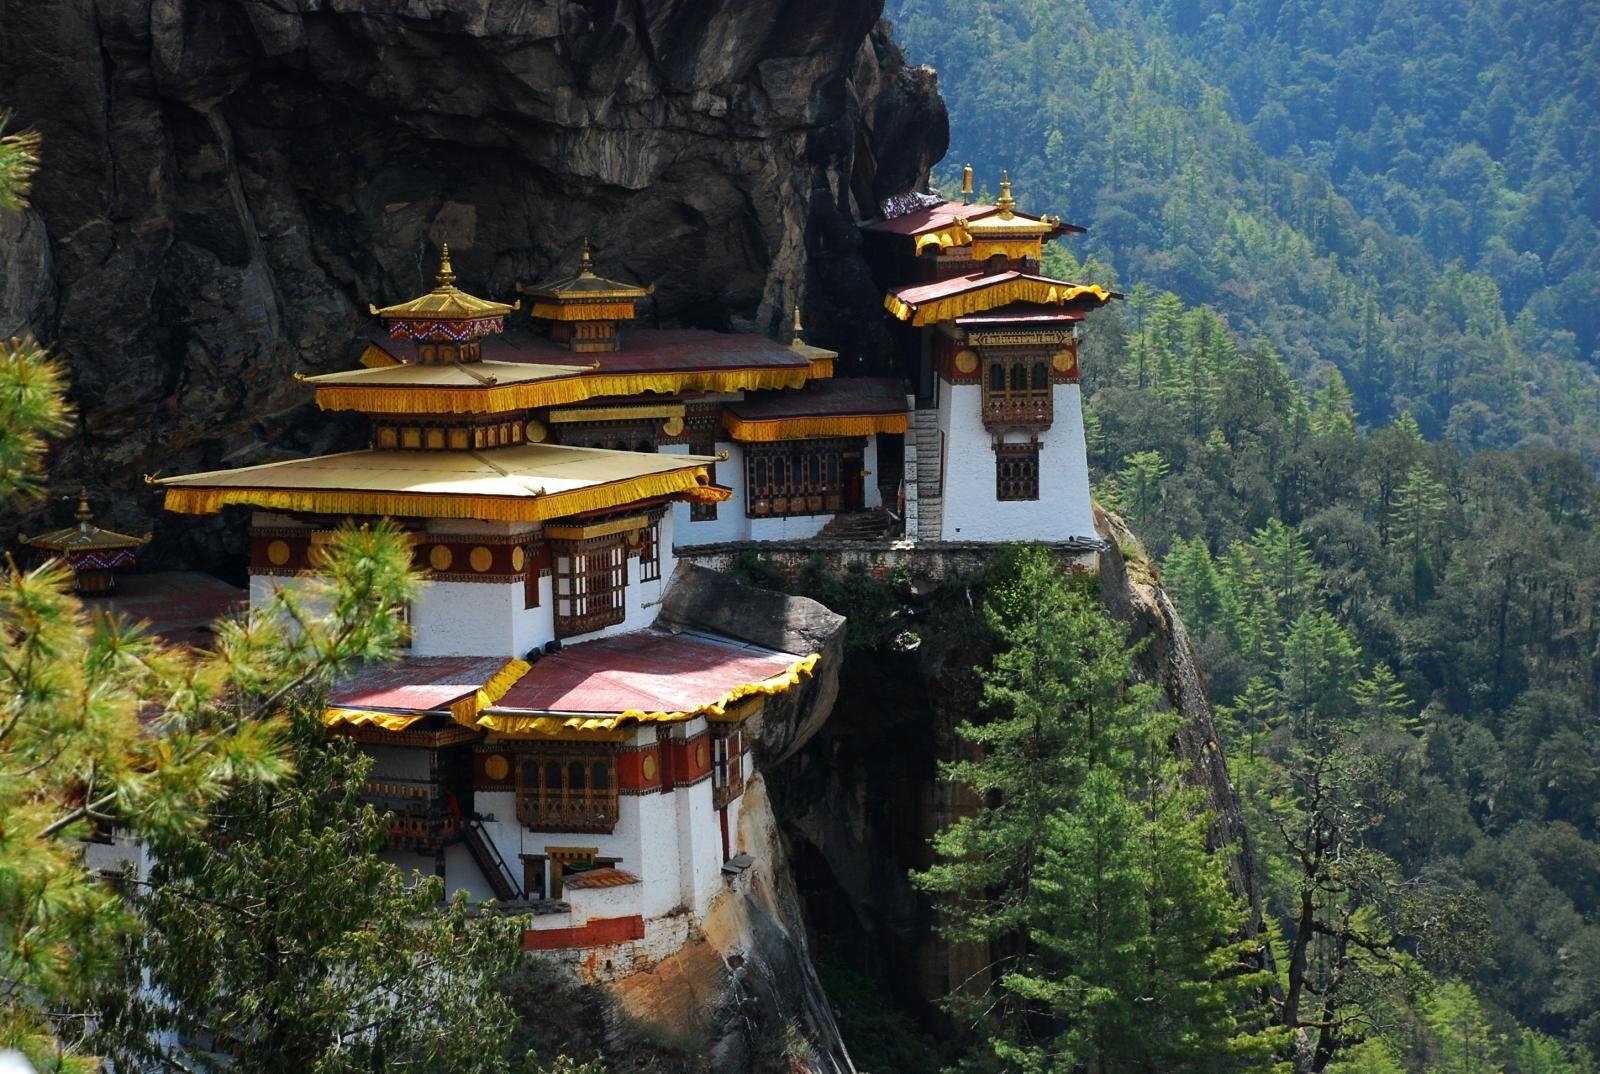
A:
[(1403, 191), (1348, 407)]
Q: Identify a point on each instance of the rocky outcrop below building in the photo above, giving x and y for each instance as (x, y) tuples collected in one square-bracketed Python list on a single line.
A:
[(859, 803), (227, 184)]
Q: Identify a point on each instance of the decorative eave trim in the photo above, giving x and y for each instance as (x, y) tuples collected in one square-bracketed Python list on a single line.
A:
[(811, 428), (981, 298), (500, 398), (690, 483)]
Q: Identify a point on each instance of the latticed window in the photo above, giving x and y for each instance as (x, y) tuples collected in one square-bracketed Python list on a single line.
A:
[(1016, 468), (570, 789), (800, 477), (1016, 391), (591, 582), (727, 763), (650, 552)]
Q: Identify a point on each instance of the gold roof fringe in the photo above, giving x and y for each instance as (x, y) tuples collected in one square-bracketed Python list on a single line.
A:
[(497, 399), (202, 500), (509, 723), (809, 428)]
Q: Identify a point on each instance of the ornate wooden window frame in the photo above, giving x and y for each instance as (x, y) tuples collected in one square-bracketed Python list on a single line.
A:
[(798, 477), (727, 763), (570, 787), (590, 579), (1016, 471), (1018, 391)]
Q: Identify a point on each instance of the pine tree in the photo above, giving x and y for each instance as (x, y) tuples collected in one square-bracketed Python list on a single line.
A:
[(79, 748), (1115, 937), (277, 939), (1460, 1033)]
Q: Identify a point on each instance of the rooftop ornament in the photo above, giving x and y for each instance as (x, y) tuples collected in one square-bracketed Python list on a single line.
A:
[(584, 309), (91, 552), (446, 323)]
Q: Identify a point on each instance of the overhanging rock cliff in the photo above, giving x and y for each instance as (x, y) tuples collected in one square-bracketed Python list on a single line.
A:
[(228, 183)]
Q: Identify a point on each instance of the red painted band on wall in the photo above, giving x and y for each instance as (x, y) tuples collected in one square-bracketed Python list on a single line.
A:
[(597, 933)]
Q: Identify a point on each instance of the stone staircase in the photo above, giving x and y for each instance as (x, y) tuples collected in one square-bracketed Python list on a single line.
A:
[(924, 479)]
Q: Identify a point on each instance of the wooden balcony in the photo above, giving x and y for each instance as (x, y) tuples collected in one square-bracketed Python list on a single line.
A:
[(419, 818), (1018, 410), (568, 811)]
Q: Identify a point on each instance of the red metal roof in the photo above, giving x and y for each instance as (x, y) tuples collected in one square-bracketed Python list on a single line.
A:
[(604, 877), (841, 396), (939, 216), (955, 285), (415, 684), (180, 606), (645, 671), (643, 350)]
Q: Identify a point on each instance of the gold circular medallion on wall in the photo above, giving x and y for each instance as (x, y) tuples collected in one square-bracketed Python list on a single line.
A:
[(673, 426), (278, 553), (440, 557), (647, 767), (481, 559), (496, 767), (535, 431), (967, 361), (519, 558), (1064, 361), (699, 754)]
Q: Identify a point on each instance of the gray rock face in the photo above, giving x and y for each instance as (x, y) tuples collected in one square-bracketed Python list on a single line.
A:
[(228, 183)]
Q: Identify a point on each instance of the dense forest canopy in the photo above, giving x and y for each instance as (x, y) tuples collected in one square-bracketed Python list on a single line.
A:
[(1400, 191), (1350, 407)]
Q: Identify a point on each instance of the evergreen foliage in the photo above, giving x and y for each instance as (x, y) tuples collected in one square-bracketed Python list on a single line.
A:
[(1402, 191), (1423, 620), (276, 938), (1115, 939)]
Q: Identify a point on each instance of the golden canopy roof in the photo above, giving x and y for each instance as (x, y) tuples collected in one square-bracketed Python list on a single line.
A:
[(85, 536), (446, 302), (1007, 223), (575, 297)]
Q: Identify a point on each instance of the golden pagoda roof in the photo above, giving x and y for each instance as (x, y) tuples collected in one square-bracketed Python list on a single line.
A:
[(585, 286), (526, 483), (1006, 222), (495, 387), (446, 302), (85, 536)]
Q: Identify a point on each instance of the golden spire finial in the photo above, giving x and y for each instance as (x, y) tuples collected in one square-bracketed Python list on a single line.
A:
[(798, 327), (1005, 204), (586, 263), (83, 514), (966, 184), (447, 275)]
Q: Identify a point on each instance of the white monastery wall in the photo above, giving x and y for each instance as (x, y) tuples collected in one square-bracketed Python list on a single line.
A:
[(468, 618), (659, 864), (971, 511), (729, 525)]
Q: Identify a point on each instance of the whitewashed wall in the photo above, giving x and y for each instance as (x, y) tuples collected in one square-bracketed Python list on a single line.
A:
[(971, 511)]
